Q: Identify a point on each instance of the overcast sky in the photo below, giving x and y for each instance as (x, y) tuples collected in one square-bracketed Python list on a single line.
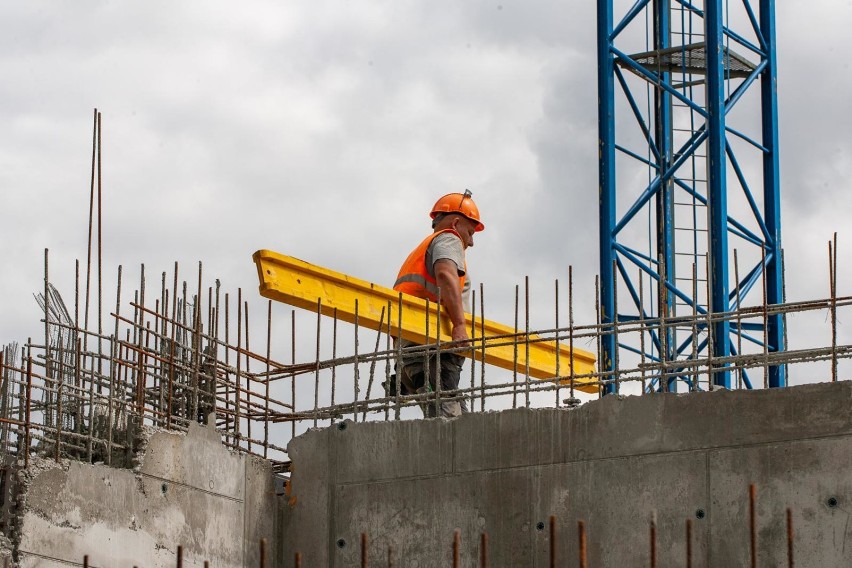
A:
[(325, 130)]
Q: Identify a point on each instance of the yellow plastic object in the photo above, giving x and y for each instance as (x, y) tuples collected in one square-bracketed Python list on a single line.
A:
[(304, 285)]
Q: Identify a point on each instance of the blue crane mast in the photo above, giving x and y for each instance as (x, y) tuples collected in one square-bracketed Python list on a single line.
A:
[(688, 187)]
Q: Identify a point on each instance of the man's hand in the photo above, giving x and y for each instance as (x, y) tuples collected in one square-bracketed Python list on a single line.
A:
[(460, 333)]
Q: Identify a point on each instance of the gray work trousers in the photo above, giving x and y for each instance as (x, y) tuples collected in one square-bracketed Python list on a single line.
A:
[(411, 380)]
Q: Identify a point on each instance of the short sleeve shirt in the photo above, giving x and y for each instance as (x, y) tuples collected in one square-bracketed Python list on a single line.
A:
[(449, 246)]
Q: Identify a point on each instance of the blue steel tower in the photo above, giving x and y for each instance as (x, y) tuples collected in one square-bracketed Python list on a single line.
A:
[(689, 191)]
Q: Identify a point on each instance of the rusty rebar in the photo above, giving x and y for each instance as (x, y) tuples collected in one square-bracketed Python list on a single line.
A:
[(483, 550), (238, 378), (364, 550), (100, 247), (91, 218), (752, 498), (571, 328), (616, 377), (248, 377), (293, 360), (527, 341), (456, 547), (262, 546), (832, 269), (515, 355), (266, 394), (482, 338), (556, 336), (553, 541), (357, 380), (688, 543), (790, 536), (29, 407), (179, 556), (298, 560), (581, 548)]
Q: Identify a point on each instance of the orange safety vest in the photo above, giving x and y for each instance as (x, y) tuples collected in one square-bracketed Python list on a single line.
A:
[(414, 277)]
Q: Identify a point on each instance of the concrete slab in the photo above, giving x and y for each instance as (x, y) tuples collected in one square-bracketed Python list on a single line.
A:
[(197, 460), (417, 517), (190, 491), (813, 478), (368, 451), (611, 463)]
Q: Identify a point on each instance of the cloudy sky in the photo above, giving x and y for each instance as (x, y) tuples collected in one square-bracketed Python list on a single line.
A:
[(325, 130)]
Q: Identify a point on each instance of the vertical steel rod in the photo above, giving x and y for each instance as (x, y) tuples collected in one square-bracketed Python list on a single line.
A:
[(556, 336), (91, 218), (364, 551), (100, 256), (553, 562), (790, 538), (527, 341), (832, 275), (317, 368), (482, 337), (248, 379), (515, 355), (29, 407), (47, 365), (293, 360), (239, 356), (357, 376), (571, 329), (752, 498), (614, 330), (456, 546), (268, 357), (688, 543)]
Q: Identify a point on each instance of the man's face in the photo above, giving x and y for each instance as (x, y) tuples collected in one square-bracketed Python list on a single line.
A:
[(465, 228)]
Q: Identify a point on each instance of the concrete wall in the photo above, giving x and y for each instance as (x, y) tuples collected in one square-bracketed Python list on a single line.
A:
[(189, 490), (610, 463)]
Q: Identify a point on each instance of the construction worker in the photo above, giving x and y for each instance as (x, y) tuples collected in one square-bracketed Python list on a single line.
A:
[(439, 263)]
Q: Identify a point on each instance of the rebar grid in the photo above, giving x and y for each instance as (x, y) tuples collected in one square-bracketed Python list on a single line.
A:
[(84, 391), (164, 366)]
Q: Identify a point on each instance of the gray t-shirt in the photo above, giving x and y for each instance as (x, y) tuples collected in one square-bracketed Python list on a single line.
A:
[(449, 246), (444, 246)]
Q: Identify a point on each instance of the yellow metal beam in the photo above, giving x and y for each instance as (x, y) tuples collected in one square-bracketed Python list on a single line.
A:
[(298, 283)]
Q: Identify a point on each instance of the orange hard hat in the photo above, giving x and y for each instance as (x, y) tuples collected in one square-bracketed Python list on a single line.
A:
[(460, 203)]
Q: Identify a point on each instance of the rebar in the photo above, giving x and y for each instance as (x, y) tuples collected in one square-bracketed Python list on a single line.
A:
[(170, 364), (790, 538), (364, 550), (752, 516)]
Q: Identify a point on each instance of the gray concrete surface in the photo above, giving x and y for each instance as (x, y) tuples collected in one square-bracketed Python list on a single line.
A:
[(188, 490), (612, 463)]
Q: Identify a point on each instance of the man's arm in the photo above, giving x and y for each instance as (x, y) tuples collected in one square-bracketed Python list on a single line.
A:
[(447, 277)]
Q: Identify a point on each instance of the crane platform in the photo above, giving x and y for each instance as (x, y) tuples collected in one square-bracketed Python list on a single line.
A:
[(301, 284)]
